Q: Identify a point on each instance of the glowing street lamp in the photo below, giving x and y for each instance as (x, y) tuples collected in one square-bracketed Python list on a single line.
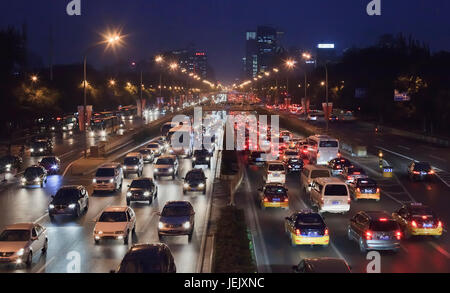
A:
[(112, 82), (34, 78), (173, 66)]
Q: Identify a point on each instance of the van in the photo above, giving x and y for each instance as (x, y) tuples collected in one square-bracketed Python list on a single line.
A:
[(322, 149), (109, 177), (330, 195), (309, 173), (276, 172), (134, 164)]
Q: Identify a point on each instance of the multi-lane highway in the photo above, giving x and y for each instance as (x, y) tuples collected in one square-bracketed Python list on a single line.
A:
[(420, 254), (69, 237)]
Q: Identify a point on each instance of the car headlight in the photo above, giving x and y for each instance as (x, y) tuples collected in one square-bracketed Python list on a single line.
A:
[(201, 185), (37, 179), (129, 194), (51, 206), (8, 166), (170, 170), (72, 206), (160, 225), (41, 149), (54, 167), (31, 150), (111, 180), (156, 170), (146, 193), (91, 133), (187, 225), (207, 158), (94, 180), (103, 133), (23, 180), (20, 252), (194, 159), (186, 185), (98, 232), (53, 128), (136, 167), (64, 128)]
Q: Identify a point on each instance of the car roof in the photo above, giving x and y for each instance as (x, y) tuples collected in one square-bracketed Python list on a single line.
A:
[(116, 209), (373, 215), (315, 167), (71, 187), (329, 180), (20, 226), (133, 154), (327, 264), (275, 163), (142, 178), (167, 157), (110, 165), (196, 171), (147, 249), (178, 203)]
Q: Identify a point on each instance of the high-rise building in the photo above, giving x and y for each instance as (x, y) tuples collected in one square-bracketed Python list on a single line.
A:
[(262, 48), (193, 60)]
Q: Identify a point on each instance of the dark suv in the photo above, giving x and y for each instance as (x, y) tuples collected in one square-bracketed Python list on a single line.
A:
[(201, 157), (51, 164), (195, 180), (41, 147), (69, 200), (143, 189), (294, 165), (375, 231), (147, 259)]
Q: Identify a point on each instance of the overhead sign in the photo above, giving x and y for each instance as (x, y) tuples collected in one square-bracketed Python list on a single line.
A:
[(325, 46), (401, 97)]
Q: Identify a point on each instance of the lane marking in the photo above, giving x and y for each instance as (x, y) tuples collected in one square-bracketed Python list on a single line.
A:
[(404, 147), (440, 249), (41, 218), (46, 265), (437, 158)]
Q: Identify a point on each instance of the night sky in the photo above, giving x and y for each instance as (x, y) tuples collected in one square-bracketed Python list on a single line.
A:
[(219, 26)]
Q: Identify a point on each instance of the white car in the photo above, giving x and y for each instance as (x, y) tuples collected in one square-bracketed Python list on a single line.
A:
[(276, 172), (115, 222), (19, 242), (109, 177), (330, 195)]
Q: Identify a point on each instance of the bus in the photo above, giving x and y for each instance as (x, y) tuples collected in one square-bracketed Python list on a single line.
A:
[(105, 126), (181, 140), (322, 149), (101, 115), (69, 123), (128, 112)]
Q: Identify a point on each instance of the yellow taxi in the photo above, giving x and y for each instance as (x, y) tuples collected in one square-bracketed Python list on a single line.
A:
[(274, 195), (306, 228), (365, 188), (417, 219)]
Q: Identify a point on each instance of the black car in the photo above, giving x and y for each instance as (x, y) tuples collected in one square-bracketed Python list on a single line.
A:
[(51, 164), (143, 189), (10, 163), (323, 265), (201, 157), (420, 171), (148, 155), (195, 180), (41, 147), (338, 165), (147, 259), (294, 165), (69, 200), (256, 158), (34, 175)]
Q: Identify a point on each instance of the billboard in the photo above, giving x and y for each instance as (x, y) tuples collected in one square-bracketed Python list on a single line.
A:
[(325, 46)]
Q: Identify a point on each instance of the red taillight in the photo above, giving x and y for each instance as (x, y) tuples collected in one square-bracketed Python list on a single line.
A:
[(338, 167), (439, 224), (416, 172), (297, 232), (266, 199), (349, 200), (414, 224), (358, 189), (349, 177), (424, 217), (326, 232), (286, 199), (398, 234), (378, 190), (383, 220), (368, 235), (431, 172)]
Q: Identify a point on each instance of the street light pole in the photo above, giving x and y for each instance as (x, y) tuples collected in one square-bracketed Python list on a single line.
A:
[(85, 105), (326, 97)]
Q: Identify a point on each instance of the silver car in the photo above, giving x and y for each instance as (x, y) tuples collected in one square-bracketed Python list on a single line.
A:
[(176, 218)]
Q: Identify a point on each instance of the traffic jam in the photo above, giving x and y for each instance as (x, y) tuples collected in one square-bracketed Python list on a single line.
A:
[(154, 173)]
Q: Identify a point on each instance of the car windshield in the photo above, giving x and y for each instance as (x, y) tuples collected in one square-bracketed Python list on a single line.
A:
[(15, 235), (319, 173), (145, 152), (164, 161), (384, 226), (144, 184), (336, 189), (176, 211), (201, 152), (48, 161), (136, 265), (66, 195), (33, 171), (105, 172), (328, 144), (195, 176), (38, 145), (111, 217), (422, 167), (276, 167), (309, 219), (131, 161), (153, 146), (291, 153)]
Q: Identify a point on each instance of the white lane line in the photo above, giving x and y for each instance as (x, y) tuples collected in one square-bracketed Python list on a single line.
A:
[(46, 265), (41, 218), (437, 158), (404, 147), (440, 249)]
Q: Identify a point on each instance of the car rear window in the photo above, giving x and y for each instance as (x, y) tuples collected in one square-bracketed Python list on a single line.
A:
[(328, 144), (384, 226), (422, 167), (336, 190), (276, 167), (319, 173)]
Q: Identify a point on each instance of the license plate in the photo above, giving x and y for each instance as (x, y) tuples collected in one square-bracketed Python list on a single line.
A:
[(384, 237), (336, 202), (367, 190), (276, 175), (276, 200), (423, 173), (427, 225)]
